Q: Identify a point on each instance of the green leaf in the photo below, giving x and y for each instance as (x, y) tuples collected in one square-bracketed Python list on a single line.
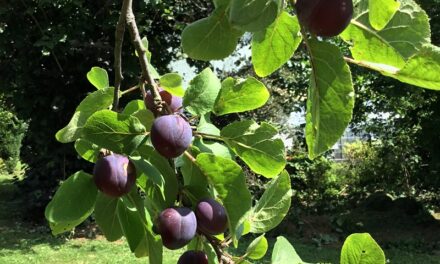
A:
[(192, 175), (202, 92), (133, 106), (205, 125), (70, 207), (253, 15), (210, 252), (361, 248), (240, 95), (220, 3), (273, 47), (330, 99), (145, 169), (59, 228), (87, 150), (258, 248), (284, 253), (273, 205), (146, 118), (169, 176), (155, 247), (422, 69), (131, 225), (151, 69), (172, 83), (116, 132), (95, 101), (106, 216), (402, 37), (98, 77), (210, 38), (228, 180), (381, 12), (215, 148), (132, 221), (137, 108), (255, 144)]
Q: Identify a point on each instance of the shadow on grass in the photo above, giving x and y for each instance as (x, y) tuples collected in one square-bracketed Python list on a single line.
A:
[(16, 234)]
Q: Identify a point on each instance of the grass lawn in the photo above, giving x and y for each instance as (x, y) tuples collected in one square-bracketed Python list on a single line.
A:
[(22, 243)]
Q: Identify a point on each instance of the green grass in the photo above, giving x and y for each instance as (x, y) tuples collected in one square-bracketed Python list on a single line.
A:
[(22, 243)]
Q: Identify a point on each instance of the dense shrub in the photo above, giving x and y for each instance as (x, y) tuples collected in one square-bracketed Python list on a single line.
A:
[(12, 131)]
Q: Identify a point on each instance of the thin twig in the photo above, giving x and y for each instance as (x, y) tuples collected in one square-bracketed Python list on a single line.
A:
[(119, 40), (223, 257), (129, 90), (208, 136), (189, 156), (137, 42)]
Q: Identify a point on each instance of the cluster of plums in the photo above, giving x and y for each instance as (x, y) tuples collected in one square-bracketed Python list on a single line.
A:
[(170, 135), (325, 18), (178, 225)]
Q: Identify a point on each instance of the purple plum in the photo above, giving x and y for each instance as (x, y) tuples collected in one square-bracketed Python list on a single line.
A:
[(171, 135), (177, 226), (114, 175), (211, 217)]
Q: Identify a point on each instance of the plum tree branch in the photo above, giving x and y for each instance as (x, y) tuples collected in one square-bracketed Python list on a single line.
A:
[(140, 49), (223, 257), (119, 39)]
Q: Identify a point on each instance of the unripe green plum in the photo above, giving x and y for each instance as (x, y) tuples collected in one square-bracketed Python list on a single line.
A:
[(114, 175), (211, 217), (193, 257), (177, 226), (325, 18), (171, 135)]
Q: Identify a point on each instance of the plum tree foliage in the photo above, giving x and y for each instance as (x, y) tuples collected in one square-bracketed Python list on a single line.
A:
[(182, 158)]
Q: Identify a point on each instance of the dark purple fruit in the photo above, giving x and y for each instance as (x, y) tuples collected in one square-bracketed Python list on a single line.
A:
[(174, 102), (114, 175), (325, 18), (176, 226), (193, 257), (211, 217), (171, 135)]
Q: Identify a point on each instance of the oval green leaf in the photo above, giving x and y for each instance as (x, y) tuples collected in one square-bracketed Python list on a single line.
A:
[(361, 248), (273, 47), (73, 202), (330, 99), (98, 77), (240, 95)]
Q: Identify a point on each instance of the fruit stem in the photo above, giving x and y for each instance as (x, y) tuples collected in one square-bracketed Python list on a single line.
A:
[(189, 156), (209, 136)]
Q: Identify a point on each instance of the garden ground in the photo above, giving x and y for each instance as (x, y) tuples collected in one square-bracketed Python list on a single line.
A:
[(23, 242)]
